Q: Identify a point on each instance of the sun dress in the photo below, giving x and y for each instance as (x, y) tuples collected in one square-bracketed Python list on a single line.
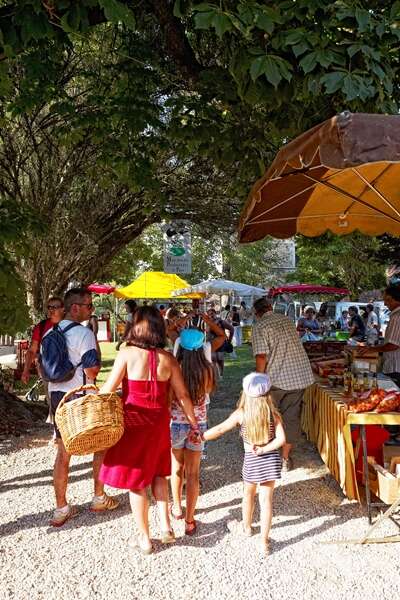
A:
[(144, 451)]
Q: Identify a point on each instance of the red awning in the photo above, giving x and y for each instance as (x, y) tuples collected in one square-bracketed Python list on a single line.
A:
[(306, 288), (100, 288)]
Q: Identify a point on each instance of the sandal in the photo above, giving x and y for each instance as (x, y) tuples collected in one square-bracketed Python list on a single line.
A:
[(174, 515), (59, 518), (134, 543), (190, 527), (168, 537)]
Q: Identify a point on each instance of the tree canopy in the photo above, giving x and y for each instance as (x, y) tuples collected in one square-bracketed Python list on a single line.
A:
[(120, 113)]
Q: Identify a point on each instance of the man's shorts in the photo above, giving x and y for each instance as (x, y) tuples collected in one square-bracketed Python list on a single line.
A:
[(55, 399), (180, 437), (289, 403)]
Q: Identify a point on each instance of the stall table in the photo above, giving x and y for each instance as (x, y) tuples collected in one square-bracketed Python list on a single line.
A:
[(326, 422)]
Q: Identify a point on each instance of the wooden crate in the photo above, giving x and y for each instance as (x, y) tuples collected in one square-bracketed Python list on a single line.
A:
[(382, 483)]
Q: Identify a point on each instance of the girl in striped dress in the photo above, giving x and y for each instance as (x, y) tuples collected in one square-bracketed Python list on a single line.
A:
[(263, 434)]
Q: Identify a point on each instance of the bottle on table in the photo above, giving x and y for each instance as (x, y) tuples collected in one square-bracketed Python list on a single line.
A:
[(374, 384)]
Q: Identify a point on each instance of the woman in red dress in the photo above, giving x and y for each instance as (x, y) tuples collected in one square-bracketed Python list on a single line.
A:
[(142, 457)]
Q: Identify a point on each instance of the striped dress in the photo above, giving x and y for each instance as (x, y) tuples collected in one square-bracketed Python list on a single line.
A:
[(266, 467)]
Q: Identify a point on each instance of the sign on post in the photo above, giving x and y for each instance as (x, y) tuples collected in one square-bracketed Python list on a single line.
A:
[(177, 247)]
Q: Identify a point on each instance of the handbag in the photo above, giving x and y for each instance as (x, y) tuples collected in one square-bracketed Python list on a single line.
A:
[(226, 347)]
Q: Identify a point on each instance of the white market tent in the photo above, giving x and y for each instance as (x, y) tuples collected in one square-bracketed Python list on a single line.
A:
[(221, 287)]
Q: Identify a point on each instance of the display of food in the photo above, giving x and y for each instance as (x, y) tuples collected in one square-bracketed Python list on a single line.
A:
[(378, 400)]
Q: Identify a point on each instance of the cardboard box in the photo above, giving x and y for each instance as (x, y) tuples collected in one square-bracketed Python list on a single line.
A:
[(389, 451), (382, 483)]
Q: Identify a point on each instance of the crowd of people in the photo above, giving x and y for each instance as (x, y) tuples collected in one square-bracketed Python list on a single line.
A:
[(359, 325), (167, 366)]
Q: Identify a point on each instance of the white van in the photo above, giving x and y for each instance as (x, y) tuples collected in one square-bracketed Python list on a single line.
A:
[(293, 309), (335, 311)]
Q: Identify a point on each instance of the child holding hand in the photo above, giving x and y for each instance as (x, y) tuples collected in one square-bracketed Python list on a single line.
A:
[(263, 434)]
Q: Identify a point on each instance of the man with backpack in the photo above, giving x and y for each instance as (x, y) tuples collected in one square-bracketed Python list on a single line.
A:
[(69, 359)]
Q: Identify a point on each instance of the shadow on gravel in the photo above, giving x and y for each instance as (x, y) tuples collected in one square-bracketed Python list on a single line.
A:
[(8, 485), (84, 519)]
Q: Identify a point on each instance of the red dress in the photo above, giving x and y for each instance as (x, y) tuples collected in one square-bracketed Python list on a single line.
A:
[(144, 451)]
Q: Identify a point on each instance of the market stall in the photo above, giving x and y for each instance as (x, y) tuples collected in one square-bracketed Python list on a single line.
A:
[(326, 420), (340, 176)]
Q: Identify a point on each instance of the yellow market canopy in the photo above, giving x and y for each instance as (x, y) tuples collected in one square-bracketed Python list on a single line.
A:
[(156, 284)]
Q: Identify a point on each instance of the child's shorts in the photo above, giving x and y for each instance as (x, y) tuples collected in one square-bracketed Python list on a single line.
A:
[(180, 436)]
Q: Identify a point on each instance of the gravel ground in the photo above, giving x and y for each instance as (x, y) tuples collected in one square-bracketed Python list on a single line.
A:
[(89, 557)]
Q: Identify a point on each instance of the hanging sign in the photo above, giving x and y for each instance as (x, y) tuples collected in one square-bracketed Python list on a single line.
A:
[(177, 247)]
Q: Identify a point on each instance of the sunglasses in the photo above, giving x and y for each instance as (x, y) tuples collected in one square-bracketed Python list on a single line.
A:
[(54, 306)]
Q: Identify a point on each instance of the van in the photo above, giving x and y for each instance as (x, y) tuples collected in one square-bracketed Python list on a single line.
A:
[(335, 311), (293, 308)]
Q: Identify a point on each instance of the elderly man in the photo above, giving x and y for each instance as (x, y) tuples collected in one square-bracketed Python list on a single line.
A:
[(82, 352), (279, 352)]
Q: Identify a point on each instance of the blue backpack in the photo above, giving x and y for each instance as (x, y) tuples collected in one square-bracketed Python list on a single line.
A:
[(55, 364)]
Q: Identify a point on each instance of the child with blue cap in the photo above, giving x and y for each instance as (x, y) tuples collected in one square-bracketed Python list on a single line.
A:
[(263, 434), (194, 356)]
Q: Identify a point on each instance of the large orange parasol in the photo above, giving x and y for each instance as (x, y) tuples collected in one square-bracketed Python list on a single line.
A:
[(341, 176)]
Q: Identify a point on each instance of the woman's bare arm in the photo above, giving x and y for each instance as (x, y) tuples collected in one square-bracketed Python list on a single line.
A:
[(117, 374)]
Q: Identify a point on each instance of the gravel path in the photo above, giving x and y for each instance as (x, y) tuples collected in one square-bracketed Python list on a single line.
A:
[(89, 557)]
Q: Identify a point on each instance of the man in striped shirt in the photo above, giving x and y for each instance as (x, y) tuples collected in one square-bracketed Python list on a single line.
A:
[(279, 353)]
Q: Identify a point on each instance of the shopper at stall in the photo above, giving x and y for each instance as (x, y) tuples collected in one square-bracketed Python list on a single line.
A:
[(322, 318), (237, 335), (343, 321), (218, 355), (308, 322), (246, 314), (372, 325), (279, 352), (357, 326), (130, 307)]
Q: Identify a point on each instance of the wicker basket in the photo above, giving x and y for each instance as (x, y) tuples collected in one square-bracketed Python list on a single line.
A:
[(90, 423)]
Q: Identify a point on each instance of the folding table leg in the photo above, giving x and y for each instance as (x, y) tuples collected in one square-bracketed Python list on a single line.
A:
[(365, 465)]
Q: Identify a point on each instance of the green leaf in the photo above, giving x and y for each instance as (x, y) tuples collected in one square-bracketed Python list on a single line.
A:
[(264, 23), (324, 57), (294, 36), (117, 12), (308, 62), (380, 28), (351, 87), (204, 7), (203, 20), (300, 48), (258, 67), (363, 18), (333, 81), (222, 24), (272, 71), (377, 69)]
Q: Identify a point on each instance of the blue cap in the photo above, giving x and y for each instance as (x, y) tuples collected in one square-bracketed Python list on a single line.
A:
[(191, 339)]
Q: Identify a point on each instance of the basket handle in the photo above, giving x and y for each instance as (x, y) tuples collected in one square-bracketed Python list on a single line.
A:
[(80, 388)]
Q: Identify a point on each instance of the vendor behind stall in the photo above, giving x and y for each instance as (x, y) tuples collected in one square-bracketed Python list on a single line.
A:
[(357, 326), (308, 322)]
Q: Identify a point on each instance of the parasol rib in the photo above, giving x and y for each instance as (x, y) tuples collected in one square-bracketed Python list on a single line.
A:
[(377, 192), (348, 195), (305, 217)]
